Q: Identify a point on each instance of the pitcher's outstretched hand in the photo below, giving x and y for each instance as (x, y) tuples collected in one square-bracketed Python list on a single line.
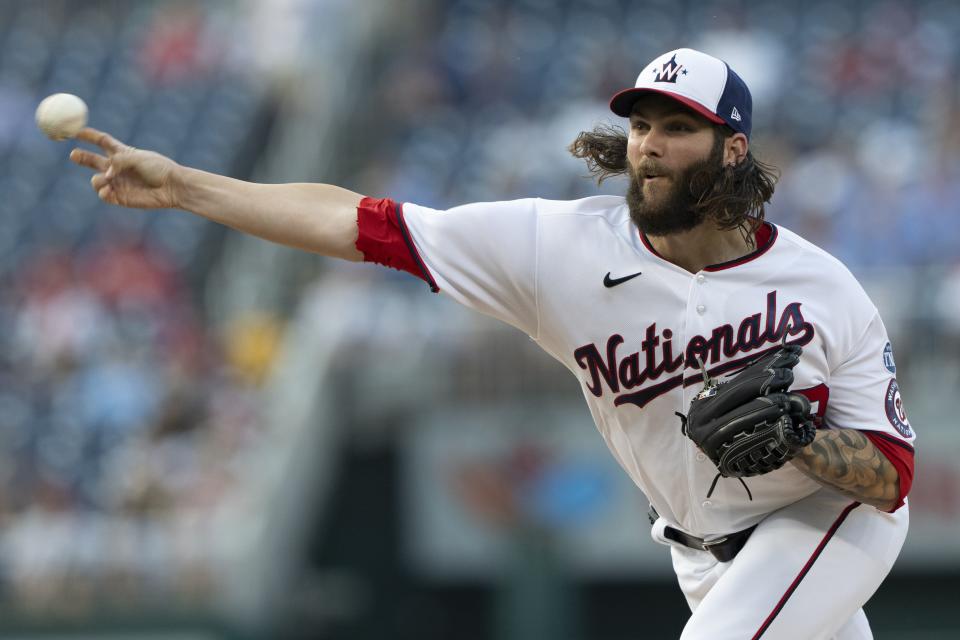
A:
[(128, 176)]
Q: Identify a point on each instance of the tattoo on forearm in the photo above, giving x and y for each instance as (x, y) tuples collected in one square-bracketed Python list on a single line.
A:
[(847, 461)]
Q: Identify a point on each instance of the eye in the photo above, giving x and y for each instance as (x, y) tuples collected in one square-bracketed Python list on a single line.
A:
[(680, 126), (639, 125)]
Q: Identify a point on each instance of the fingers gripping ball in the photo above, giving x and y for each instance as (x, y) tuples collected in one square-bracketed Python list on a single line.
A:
[(61, 116), (751, 425)]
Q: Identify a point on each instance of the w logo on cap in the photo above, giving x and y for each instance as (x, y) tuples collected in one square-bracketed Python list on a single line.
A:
[(669, 71)]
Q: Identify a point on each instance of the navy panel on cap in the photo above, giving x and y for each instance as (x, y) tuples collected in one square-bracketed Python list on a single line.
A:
[(736, 104)]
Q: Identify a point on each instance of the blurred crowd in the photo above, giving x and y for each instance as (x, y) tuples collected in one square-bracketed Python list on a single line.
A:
[(122, 419), (122, 410), (856, 102)]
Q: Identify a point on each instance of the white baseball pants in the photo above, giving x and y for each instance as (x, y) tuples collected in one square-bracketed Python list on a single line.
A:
[(804, 574)]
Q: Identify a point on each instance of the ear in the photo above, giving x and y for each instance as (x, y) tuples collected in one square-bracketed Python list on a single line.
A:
[(735, 149)]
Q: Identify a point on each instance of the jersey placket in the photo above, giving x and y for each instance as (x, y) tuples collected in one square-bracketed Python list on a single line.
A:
[(698, 310)]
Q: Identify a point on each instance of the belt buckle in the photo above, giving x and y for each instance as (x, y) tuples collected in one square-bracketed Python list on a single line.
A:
[(712, 543)]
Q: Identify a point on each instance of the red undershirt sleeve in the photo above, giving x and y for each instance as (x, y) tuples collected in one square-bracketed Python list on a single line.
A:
[(383, 238), (900, 455)]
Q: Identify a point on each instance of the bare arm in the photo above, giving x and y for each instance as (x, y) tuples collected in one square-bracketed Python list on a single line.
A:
[(846, 460), (319, 218)]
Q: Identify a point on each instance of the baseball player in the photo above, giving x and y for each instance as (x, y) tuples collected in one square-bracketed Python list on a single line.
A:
[(739, 374)]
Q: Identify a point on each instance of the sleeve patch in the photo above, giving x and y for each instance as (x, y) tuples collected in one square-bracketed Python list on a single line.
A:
[(888, 359), (896, 414)]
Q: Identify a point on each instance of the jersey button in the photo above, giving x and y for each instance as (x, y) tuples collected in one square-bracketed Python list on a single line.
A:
[(706, 504), (701, 309), (701, 279), (701, 457)]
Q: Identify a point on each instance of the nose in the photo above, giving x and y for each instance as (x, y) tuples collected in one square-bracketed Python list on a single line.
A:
[(652, 143)]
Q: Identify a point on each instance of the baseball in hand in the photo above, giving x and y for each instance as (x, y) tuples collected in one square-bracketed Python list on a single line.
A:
[(61, 115)]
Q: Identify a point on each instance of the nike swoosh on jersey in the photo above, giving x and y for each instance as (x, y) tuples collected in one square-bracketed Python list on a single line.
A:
[(612, 282)]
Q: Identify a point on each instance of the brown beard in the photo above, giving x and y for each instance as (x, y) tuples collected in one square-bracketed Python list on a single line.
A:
[(682, 208), (735, 201)]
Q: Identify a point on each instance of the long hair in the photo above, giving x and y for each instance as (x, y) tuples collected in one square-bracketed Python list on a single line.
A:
[(733, 197)]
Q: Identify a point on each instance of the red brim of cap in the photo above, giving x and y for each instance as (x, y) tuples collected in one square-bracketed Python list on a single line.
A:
[(622, 103)]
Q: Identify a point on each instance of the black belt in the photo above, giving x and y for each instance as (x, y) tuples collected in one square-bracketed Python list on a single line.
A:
[(724, 549)]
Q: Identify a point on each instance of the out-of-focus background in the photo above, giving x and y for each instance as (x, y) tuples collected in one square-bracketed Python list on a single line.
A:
[(205, 436)]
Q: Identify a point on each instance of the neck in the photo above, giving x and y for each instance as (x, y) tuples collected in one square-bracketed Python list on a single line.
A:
[(701, 246)]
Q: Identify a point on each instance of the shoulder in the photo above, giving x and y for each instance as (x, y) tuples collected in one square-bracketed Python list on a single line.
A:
[(827, 287), (602, 214), (805, 248), (814, 261), (610, 212), (612, 208)]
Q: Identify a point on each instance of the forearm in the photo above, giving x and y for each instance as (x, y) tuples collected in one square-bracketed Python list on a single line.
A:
[(319, 218), (846, 460)]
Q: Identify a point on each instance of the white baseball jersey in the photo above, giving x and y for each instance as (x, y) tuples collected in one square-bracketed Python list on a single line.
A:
[(579, 278), (584, 283)]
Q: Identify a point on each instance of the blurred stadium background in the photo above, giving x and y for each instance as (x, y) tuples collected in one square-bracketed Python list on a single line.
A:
[(204, 436)]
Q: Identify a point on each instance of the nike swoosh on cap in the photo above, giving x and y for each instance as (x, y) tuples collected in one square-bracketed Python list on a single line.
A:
[(612, 282)]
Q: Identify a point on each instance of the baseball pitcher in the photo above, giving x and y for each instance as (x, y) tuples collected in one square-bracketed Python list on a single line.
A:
[(738, 373)]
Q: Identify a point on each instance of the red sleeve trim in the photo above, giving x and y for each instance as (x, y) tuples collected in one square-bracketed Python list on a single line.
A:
[(900, 455), (383, 238)]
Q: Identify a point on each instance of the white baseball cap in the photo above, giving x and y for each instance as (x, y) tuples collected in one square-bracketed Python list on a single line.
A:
[(705, 84)]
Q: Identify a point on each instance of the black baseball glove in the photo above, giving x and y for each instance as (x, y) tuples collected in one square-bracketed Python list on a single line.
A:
[(750, 424)]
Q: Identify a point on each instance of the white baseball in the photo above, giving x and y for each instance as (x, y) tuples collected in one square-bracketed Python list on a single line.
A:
[(61, 115)]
